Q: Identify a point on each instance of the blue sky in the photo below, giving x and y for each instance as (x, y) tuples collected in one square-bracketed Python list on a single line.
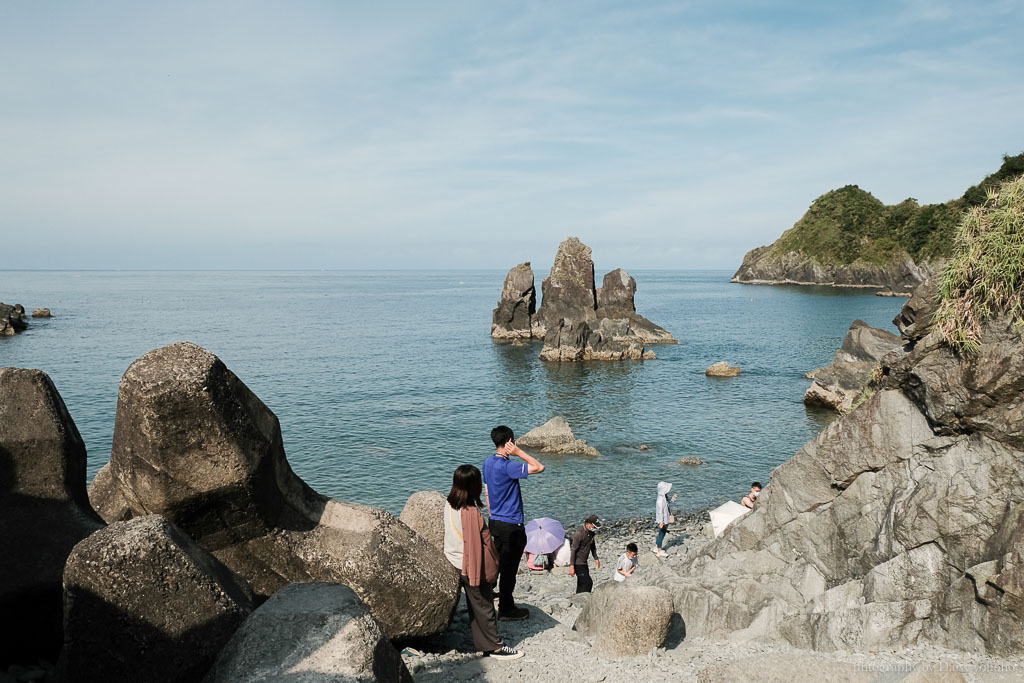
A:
[(481, 134)]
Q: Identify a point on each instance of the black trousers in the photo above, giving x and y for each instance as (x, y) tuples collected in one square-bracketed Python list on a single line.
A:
[(483, 622), (509, 541), (584, 584)]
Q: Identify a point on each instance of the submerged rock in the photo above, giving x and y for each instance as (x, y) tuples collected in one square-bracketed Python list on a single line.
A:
[(515, 317), (44, 511), (193, 444), (310, 632), (838, 385), (723, 369), (144, 603), (902, 523), (555, 436), (691, 460)]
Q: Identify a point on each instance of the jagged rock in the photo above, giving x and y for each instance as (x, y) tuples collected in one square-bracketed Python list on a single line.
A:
[(42, 313), (143, 602), (515, 317), (424, 514), (12, 319), (192, 443), (838, 385), (915, 318), (625, 618), (555, 436), (901, 523), (722, 369), (615, 301), (569, 289), (691, 460), (764, 266), (310, 632), (593, 340), (44, 511)]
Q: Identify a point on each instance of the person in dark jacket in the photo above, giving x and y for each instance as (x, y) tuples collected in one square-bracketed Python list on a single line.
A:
[(583, 545)]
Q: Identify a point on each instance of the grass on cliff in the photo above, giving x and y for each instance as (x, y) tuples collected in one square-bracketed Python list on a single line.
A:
[(985, 274)]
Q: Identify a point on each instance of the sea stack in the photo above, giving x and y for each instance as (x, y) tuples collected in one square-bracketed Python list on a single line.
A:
[(577, 320)]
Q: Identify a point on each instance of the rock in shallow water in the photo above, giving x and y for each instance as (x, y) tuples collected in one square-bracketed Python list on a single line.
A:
[(723, 369), (193, 444), (555, 436)]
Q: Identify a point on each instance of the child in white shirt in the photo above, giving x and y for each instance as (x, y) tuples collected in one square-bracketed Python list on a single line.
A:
[(627, 564)]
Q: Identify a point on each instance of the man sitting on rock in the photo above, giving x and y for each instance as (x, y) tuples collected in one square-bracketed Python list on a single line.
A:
[(751, 498), (505, 509), (582, 546)]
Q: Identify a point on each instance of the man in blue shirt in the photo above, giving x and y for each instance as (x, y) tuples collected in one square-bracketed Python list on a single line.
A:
[(505, 509)]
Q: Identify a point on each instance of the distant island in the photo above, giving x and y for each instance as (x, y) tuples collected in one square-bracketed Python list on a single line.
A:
[(849, 238)]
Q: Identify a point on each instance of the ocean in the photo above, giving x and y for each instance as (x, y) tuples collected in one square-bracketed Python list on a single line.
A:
[(385, 381)]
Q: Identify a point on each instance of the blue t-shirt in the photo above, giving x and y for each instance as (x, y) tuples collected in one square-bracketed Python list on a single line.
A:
[(502, 476)]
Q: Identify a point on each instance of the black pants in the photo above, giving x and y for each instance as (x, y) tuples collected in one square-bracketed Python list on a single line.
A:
[(584, 584), (483, 622), (509, 541)]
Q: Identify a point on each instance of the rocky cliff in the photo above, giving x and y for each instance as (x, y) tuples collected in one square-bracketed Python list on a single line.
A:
[(840, 383), (903, 522)]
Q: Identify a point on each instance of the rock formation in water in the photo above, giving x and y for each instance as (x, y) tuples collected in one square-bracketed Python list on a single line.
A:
[(555, 436), (193, 444), (839, 384), (901, 523), (143, 602), (582, 322), (310, 633), (515, 317), (765, 266), (42, 313), (723, 369), (12, 319), (44, 512)]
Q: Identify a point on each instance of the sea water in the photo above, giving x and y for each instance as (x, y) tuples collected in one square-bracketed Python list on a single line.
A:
[(384, 382)]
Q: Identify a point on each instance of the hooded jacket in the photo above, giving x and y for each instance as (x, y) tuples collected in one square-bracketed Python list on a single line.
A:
[(661, 511)]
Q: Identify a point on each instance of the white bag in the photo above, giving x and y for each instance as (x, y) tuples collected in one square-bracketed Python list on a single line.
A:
[(562, 555)]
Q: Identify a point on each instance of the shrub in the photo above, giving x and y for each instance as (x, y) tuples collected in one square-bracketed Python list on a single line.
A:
[(985, 275)]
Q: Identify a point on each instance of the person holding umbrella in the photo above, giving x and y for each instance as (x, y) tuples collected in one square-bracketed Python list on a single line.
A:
[(543, 536), (468, 546), (582, 546)]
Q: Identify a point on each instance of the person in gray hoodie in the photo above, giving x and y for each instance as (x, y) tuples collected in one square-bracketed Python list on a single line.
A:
[(662, 516)]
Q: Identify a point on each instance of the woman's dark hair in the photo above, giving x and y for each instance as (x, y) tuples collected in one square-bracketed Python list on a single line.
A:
[(466, 487)]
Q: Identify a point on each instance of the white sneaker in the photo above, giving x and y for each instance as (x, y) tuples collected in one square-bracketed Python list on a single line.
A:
[(505, 652), (662, 553)]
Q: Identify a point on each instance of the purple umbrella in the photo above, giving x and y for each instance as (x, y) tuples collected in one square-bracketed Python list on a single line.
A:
[(544, 535)]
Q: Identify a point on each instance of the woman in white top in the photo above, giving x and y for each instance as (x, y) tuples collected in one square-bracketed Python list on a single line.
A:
[(468, 546)]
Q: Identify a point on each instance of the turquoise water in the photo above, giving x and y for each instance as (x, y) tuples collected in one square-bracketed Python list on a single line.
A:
[(384, 382)]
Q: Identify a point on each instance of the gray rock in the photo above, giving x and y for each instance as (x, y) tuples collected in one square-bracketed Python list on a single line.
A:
[(42, 313), (310, 633), (838, 385), (516, 314), (44, 511), (691, 460), (722, 369), (193, 444), (144, 603), (766, 266), (900, 524), (792, 668), (915, 318), (12, 319), (424, 514), (625, 618), (555, 436), (569, 290)]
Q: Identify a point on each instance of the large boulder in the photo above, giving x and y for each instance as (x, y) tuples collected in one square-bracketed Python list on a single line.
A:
[(12, 319), (44, 511), (143, 602), (615, 301), (839, 384), (626, 618), (193, 444), (424, 514), (555, 436), (42, 313), (569, 289), (723, 369), (310, 633), (900, 524), (515, 317)]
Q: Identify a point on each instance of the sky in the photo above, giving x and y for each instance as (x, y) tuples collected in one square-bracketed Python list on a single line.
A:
[(336, 135)]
